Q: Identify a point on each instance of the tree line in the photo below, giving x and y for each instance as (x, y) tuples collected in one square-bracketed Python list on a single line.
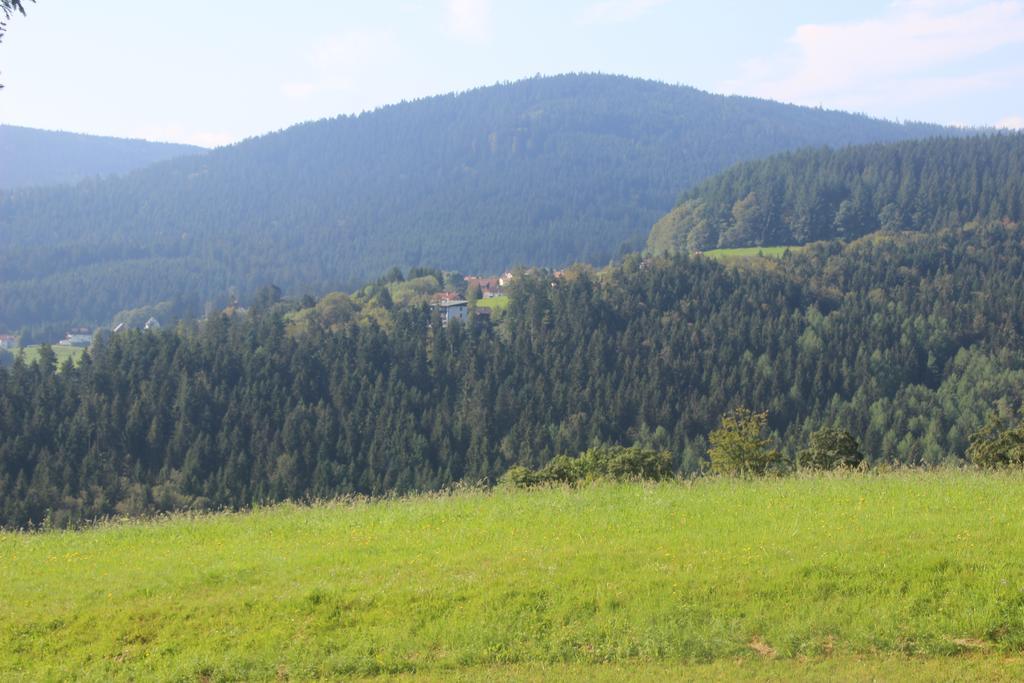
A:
[(823, 194), (909, 342)]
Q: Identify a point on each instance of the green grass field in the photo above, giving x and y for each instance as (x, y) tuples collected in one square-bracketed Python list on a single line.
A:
[(748, 252), (495, 303), (30, 354), (887, 577)]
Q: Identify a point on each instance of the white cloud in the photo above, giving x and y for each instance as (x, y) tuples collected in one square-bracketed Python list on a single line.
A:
[(469, 20), (303, 89), (1011, 122), (907, 90), (931, 4), (894, 56), (339, 62), (618, 11)]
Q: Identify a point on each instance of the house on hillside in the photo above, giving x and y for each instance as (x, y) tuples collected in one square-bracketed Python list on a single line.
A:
[(80, 337), (482, 316), (8, 342), (489, 286), (452, 310), (441, 297), (152, 324)]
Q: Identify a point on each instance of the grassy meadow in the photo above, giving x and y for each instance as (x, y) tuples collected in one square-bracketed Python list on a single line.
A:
[(883, 576), (30, 354), (748, 252), (495, 303)]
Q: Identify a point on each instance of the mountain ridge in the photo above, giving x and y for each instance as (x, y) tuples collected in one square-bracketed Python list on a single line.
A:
[(543, 171), (820, 194), (36, 157)]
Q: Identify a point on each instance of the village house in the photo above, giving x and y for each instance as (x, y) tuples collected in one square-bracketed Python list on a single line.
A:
[(8, 342), (80, 337), (441, 297), (452, 310), (489, 286), (482, 315)]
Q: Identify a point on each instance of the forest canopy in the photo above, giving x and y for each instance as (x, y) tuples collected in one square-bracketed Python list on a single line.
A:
[(908, 342), (823, 194)]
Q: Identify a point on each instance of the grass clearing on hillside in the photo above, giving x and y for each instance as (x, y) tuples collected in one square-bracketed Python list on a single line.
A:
[(748, 252), (840, 577), (30, 354), (495, 303)]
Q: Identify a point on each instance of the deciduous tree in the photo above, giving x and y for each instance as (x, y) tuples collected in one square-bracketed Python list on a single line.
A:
[(738, 446), (829, 449)]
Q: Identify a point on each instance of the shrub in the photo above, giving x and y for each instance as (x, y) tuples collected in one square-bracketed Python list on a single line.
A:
[(621, 463), (830, 448), (737, 447), (997, 445), (601, 462), (561, 470), (520, 476)]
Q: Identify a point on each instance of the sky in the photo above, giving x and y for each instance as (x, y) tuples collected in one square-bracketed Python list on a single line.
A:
[(212, 73)]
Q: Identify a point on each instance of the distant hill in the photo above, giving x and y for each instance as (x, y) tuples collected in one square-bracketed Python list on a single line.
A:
[(542, 171), (34, 157), (821, 194)]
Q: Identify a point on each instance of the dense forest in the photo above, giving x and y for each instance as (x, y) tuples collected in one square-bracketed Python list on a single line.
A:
[(907, 340), (545, 171), (34, 157), (820, 194)]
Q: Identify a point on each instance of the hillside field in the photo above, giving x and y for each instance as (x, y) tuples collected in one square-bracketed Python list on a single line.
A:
[(748, 252), (496, 303), (30, 354), (852, 577)]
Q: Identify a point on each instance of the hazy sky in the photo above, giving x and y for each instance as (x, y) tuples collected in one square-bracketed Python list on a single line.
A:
[(213, 72)]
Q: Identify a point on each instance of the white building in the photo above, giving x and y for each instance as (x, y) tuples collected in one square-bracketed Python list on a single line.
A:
[(8, 342), (152, 324), (80, 339), (452, 310)]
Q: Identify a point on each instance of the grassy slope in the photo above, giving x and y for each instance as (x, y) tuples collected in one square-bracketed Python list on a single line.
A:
[(30, 354), (883, 576), (747, 252), (495, 303)]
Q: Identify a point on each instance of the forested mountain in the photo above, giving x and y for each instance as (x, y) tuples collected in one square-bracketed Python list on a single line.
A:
[(544, 171), (31, 157), (907, 340), (820, 194)]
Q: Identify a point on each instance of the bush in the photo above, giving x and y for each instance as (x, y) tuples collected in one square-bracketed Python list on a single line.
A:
[(561, 470), (737, 447), (617, 463), (521, 477), (830, 448), (997, 445)]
